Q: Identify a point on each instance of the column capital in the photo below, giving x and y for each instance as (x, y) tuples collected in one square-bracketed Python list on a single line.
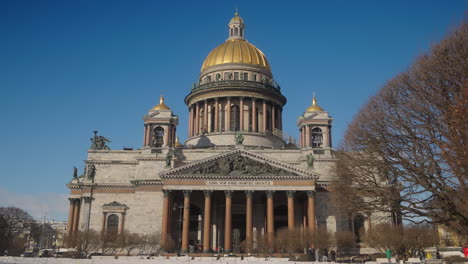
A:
[(187, 193), (166, 193), (208, 193), (270, 194), (87, 199), (241, 98), (249, 194), (290, 193), (311, 193), (228, 193)]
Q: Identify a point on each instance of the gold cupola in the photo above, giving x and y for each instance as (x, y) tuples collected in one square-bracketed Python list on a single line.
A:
[(161, 105), (236, 50), (314, 107)]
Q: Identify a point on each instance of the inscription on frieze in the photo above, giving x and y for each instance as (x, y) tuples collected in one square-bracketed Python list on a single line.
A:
[(239, 183)]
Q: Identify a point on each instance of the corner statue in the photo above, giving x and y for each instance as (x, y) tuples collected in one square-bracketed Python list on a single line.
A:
[(239, 139), (99, 142), (310, 160)]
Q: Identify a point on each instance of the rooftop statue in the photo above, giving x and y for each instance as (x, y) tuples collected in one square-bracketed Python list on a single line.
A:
[(310, 160), (75, 172), (239, 139), (99, 142)]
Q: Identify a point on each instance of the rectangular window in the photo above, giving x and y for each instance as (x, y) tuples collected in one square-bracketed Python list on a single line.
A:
[(236, 76), (254, 77), (246, 76)]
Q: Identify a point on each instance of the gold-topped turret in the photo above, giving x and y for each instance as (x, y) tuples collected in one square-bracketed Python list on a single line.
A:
[(236, 19), (314, 107), (161, 105), (177, 143)]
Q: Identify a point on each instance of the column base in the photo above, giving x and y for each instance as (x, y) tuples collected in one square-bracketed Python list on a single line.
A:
[(184, 251), (228, 251), (207, 251)]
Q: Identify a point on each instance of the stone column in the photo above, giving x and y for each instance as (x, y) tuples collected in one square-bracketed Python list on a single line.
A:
[(103, 228), (264, 121), (207, 222), (70, 217), (228, 114), (76, 215), (301, 137), (311, 210), (291, 223), (216, 125), (326, 142), (165, 216), (186, 222), (122, 223), (249, 220), (241, 112), (197, 119), (307, 136), (270, 217), (190, 121), (228, 222), (254, 116), (280, 114), (273, 118), (205, 118)]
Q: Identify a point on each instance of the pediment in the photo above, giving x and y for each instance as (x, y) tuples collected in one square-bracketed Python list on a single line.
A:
[(238, 163)]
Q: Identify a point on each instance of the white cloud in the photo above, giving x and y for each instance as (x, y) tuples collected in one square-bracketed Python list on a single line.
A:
[(55, 205)]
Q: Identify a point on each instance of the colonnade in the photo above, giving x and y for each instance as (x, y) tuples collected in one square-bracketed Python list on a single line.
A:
[(234, 114), (168, 139), (73, 215), (270, 217), (308, 131)]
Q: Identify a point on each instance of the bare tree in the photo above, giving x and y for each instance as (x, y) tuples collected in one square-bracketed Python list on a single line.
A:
[(405, 152), (344, 241), (404, 242), (14, 222)]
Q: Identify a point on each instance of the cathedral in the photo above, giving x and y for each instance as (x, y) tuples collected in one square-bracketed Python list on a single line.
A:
[(237, 175)]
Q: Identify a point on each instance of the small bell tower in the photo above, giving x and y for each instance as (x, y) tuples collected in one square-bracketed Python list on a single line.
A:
[(315, 129), (160, 126), (236, 27)]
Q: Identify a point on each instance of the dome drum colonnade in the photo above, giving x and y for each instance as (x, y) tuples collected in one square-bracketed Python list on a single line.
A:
[(235, 92), (309, 218)]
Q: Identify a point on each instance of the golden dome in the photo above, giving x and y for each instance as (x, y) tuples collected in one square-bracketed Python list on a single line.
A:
[(236, 19), (161, 105), (314, 107), (236, 51)]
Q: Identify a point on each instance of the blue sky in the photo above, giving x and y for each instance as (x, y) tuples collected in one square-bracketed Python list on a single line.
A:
[(70, 67)]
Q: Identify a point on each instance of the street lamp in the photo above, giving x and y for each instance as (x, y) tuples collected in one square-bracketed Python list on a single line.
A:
[(180, 207)]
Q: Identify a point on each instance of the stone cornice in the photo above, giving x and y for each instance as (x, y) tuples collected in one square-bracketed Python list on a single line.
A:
[(111, 162), (150, 159), (238, 178), (146, 182)]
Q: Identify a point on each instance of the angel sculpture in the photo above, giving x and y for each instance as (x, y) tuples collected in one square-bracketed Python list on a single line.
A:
[(99, 142)]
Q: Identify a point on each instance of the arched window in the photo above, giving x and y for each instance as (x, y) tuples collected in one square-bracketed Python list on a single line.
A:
[(231, 32), (112, 224), (317, 138), (268, 120), (235, 118), (236, 31), (212, 118), (241, 32), (158, 137)]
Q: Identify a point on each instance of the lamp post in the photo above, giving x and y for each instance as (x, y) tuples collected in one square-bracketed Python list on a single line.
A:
[(180, 207)]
